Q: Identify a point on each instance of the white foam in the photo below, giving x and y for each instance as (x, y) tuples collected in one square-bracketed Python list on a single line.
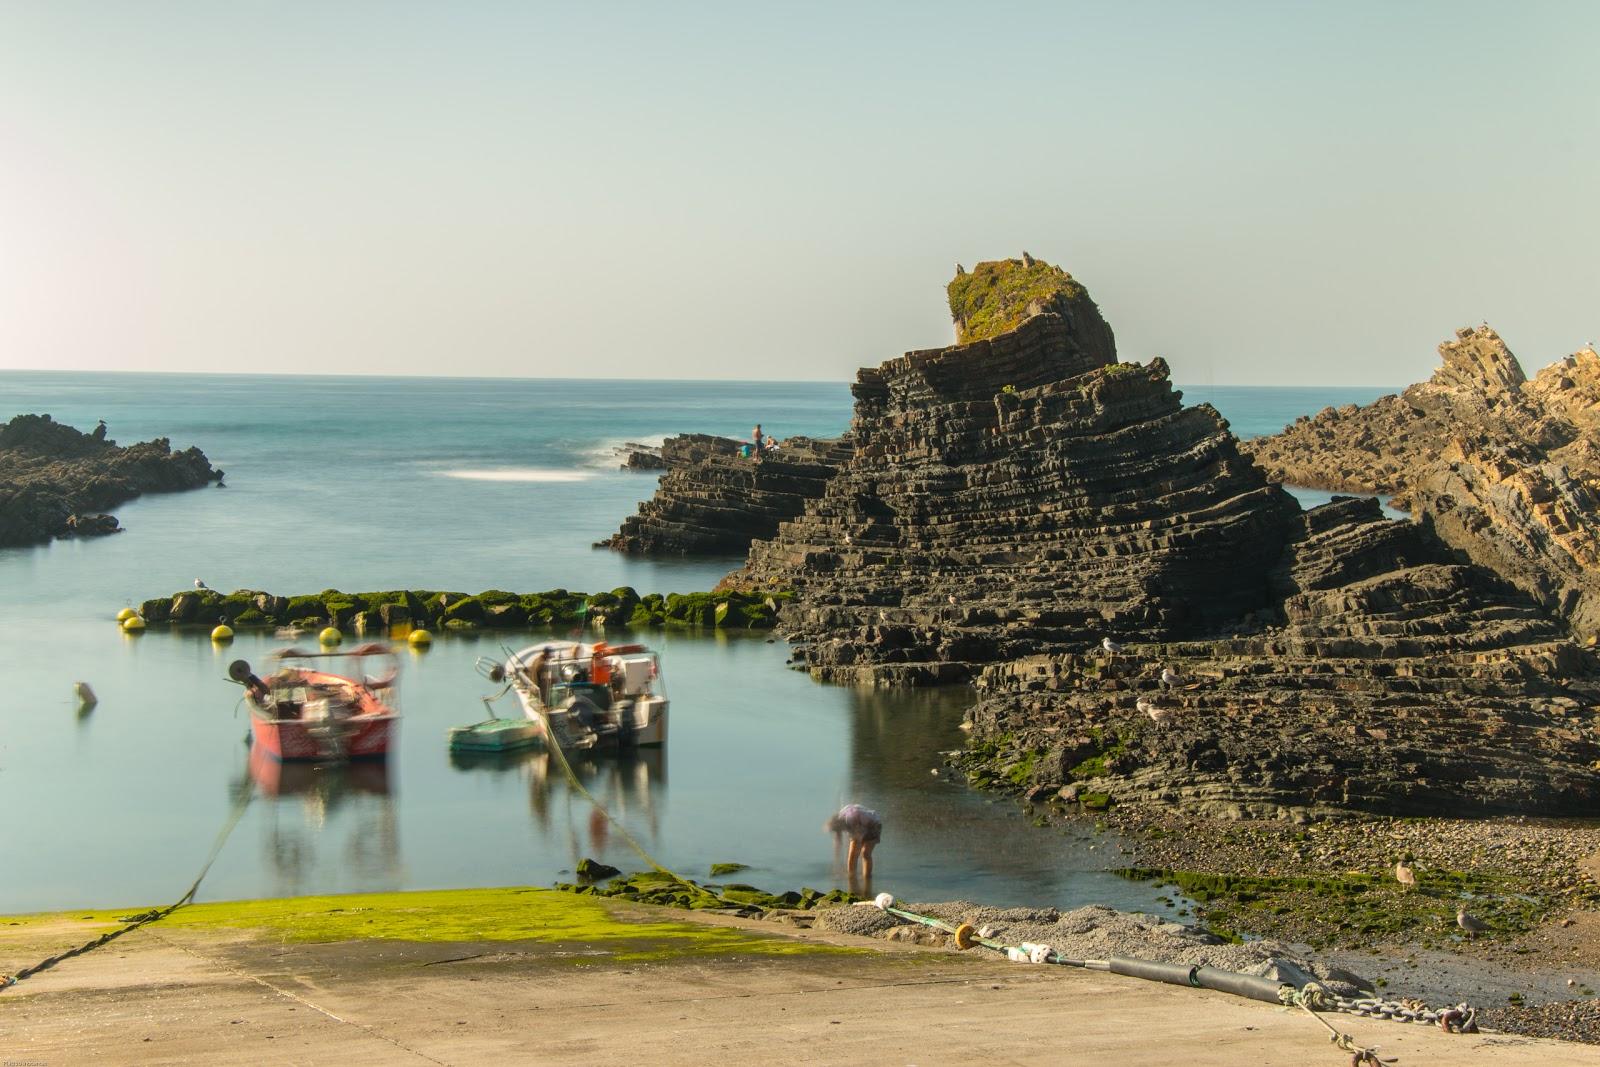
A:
[(608, 455), (520, 474)]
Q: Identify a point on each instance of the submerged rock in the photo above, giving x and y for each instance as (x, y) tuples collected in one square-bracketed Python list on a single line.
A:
[(493, 609)]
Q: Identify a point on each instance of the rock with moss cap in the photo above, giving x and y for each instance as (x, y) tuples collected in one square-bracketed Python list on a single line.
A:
[(997, 296)]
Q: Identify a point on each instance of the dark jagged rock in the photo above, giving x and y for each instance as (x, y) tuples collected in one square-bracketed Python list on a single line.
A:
[(1017, 494), (1396, 681), (54, 479), (713, 501), (1504, 469), (637, 457), (1012, 502)]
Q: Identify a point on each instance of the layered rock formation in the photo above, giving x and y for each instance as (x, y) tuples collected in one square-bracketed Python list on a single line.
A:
[(1013, 501), (1017, 494), (54, 479), (1398, 681), (1504, 469), (712, 501)]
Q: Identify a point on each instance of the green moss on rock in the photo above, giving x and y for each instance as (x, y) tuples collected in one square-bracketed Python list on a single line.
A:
[(999, 295)]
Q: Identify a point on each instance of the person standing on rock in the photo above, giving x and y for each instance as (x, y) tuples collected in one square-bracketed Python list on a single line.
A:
[(755, 441), (865, 828)]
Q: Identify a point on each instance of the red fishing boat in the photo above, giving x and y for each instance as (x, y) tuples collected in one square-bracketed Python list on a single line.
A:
[(303, 712)]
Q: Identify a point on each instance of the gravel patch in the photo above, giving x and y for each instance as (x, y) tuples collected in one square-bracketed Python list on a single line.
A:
[(1093, 933)]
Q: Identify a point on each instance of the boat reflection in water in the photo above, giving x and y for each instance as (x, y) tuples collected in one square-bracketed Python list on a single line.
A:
[(313, 807), (631, 785)]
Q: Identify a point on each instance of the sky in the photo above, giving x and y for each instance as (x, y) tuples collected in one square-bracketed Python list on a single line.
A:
[(1274, 193)]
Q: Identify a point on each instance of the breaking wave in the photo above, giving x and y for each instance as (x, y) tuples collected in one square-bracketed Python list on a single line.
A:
[(520, 474)]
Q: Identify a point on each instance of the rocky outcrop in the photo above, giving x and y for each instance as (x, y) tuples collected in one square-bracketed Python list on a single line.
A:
[(396, 610), (54, 479), (1015, 503), (713, 501), (1504, 469), (1396, 680), (1019, 494)]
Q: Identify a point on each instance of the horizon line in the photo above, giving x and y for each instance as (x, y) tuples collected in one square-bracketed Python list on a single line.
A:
[(590, 378)]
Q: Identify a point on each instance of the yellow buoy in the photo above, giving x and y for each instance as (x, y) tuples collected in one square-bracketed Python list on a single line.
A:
[(330, 636), (420, 639), (125, 614), (132, 624), (223, 632)]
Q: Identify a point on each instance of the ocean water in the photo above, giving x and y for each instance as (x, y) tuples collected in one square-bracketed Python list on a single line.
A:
[(363, 483)]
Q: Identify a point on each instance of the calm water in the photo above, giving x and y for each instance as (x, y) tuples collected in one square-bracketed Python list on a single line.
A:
[(464, 484)]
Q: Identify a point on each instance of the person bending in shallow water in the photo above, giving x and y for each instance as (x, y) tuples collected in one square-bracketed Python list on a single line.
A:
[(865, 828)]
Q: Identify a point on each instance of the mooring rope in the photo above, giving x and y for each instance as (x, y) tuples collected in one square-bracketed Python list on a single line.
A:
[(553, 744), (1311, 998), (146, 917)]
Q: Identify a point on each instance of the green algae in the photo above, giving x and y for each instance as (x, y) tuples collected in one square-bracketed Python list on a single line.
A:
[(667, 889), (999, 295), (494, 609), (1357, 908), (503, 914)]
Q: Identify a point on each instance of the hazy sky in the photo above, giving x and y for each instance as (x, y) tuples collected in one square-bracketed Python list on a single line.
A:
[(1263, 193)]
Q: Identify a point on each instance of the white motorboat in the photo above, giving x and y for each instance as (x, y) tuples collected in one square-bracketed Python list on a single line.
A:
[(589, 696)]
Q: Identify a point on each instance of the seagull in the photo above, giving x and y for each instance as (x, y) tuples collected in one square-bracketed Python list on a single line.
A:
[(1471, 924), (1110, 645), (1405, 874), (85, 695), (1170, 677), (198, 584), (952, 599), (1156, 714)]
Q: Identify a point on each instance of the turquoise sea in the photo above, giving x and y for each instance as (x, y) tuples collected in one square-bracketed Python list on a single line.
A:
[(376, 483)]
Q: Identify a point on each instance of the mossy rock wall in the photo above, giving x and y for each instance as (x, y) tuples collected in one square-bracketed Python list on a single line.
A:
[(493, 609), (999, 295)]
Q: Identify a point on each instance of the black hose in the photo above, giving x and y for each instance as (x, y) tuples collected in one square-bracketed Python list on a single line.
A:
[(1171, 973), (1242, 985)]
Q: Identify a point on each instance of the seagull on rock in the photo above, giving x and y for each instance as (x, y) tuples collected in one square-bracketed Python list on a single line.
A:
[(1157, 714), (1405, 874), (1170, 677), (1470, 923), (1110, 645), (198, 584)]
